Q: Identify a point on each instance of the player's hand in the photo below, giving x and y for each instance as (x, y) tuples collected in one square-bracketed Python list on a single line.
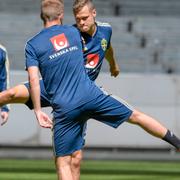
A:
[(44, 120), (114, 70), (4, 117)]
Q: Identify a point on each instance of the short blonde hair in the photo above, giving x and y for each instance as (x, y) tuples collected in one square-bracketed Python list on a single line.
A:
[(51, 9), (79, 4)]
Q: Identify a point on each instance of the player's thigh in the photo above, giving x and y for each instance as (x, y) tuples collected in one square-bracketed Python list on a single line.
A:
[(111, 111), (44, 97), (77, 157), (19, 94), (68, 132)]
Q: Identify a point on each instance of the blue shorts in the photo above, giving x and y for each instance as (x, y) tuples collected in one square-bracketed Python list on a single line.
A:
[(68, 131), (44, 98)]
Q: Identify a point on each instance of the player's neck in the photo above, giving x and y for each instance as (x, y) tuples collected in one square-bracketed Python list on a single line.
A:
[(52, 23), (93, 30)]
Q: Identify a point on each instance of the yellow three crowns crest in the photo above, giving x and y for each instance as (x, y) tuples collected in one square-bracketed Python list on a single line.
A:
[(104, 44)]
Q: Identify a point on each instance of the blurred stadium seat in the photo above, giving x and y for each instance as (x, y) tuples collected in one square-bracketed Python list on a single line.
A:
[(155, 21)]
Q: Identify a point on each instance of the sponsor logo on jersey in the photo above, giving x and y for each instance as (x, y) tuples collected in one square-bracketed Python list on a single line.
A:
[(63, 51), (92, 61), (59, 42), (104, 44)]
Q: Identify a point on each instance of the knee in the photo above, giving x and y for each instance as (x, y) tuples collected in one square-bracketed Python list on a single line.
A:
[(135, 118), (62, 162), (63, 167), (11, 93), (76, 159)]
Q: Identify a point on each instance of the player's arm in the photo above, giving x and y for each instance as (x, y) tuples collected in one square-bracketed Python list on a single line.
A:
[(34, 87), (113, 65), (32, 66), (43, 119)]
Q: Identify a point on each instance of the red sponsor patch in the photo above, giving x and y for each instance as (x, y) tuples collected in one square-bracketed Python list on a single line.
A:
[(92, 60), (59, 42)]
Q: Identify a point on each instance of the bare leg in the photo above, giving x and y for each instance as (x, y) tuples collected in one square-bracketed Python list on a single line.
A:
[(148, 123), (63, 168), (17, 94), (76, 164)]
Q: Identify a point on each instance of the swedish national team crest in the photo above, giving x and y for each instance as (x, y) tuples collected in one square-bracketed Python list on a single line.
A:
[(104, 44)]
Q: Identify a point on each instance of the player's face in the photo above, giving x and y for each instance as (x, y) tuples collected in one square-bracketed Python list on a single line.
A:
[(85, 20)]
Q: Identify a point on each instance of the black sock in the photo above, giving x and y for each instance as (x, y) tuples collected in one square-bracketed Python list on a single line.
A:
[(172, 139)]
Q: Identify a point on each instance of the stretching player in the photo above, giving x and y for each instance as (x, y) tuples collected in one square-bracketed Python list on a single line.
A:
[(96, 39), (70, 98), (4, 80), (20, 94)]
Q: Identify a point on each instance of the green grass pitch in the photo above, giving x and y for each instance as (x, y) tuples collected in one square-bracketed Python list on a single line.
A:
[(91, 170)]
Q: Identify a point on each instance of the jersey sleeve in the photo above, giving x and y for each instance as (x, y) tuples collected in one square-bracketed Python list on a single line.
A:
[(30, 55), (4, 74), (109, 30)]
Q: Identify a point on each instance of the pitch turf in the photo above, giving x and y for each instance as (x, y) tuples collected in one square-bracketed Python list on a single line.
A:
[(91, 170)]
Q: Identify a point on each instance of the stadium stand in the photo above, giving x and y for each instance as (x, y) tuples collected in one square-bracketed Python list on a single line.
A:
[(146, 7), (144, 32), (146, 40)]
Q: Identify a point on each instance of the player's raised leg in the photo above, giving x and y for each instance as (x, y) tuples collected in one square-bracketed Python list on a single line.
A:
[(118, 111), (153, 127), (17, 94), (148, 124)]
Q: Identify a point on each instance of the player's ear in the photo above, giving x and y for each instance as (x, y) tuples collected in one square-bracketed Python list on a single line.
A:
[(94, 12), (61, 17)]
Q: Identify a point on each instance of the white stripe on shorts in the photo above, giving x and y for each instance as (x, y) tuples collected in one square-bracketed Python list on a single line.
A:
[(118, 99)]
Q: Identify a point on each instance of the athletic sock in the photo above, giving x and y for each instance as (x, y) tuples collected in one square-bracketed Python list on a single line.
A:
[(172, 139)]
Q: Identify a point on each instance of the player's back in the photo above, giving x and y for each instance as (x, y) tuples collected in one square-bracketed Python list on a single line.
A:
[(57, 51)]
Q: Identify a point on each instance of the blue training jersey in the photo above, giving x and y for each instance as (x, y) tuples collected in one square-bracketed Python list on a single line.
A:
[(57, 51), (95, 48), (4, 78)]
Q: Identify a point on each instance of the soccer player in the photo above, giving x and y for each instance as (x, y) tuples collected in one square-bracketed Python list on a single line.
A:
[(4, 80), (96, 39), (56, 52)]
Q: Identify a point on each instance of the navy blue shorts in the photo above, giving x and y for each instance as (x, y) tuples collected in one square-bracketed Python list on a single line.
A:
[(44, 98), (68, 131)]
